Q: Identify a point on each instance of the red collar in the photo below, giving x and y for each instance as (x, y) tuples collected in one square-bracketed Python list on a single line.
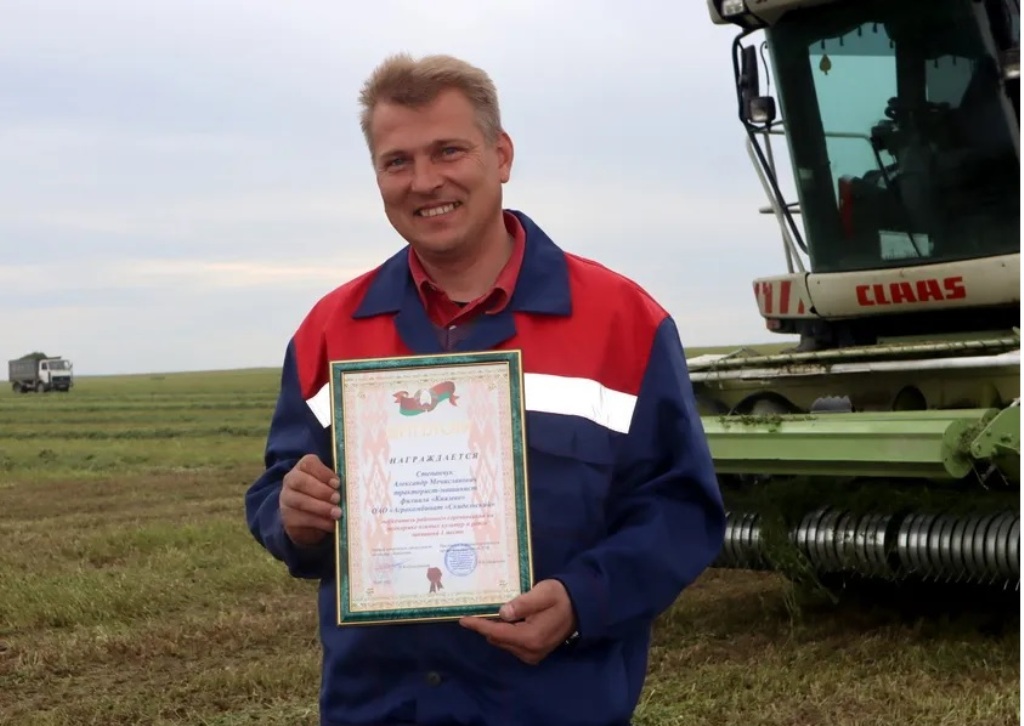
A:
[(443, 311)]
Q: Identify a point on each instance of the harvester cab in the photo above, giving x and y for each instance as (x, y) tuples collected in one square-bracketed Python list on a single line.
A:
[(886, 443), (901, 121)]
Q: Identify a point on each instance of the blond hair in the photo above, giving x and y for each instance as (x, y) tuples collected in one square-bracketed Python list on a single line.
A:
[(402, 80)]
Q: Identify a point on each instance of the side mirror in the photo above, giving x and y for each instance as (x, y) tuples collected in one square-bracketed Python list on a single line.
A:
[(750, 81), (756, 108)]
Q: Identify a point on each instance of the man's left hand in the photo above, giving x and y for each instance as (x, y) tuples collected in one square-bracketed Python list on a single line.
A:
[(532, 625)]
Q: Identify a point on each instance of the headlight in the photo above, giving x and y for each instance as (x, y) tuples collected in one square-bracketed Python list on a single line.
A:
[(733, 7)]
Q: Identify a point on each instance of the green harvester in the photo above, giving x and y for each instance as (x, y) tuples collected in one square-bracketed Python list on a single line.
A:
[(885, 444)]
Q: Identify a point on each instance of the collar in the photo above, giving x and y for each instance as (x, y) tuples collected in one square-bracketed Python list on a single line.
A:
[(504, 286), (542, 286)]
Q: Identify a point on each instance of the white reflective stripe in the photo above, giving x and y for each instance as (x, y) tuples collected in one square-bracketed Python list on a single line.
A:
[(544, 393), (320, 405), (580, 397)]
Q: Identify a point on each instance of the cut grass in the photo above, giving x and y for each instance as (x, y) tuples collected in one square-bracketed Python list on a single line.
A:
[(132, 593)]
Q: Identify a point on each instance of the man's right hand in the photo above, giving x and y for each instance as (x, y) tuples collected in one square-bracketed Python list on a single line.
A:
[(309, 501)]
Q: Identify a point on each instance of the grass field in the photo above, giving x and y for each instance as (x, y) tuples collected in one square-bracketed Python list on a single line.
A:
[(131, 592)]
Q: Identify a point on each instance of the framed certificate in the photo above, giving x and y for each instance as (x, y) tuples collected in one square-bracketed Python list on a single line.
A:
[(430, 451)]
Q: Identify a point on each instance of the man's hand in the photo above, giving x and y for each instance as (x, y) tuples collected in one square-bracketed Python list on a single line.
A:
[(535, 623), (309, 501)]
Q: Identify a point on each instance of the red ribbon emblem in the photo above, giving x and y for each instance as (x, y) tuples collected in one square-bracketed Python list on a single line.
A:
[(434, 575)]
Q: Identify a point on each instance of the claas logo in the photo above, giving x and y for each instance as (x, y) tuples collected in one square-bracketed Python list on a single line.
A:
[(905, 291)]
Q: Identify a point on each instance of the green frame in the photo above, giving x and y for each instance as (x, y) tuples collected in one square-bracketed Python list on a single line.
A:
[(338, 370)]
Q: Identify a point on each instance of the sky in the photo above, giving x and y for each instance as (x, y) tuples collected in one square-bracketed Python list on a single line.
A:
[(182, 180)]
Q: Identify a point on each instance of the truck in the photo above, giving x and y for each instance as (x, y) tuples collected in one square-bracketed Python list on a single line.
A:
[(40, 374), (884, 443)]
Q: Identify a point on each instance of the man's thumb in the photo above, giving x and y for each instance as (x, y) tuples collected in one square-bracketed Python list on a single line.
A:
[(525, 605)]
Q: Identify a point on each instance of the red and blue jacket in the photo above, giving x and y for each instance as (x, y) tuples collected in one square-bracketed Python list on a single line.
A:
[(625, 508)]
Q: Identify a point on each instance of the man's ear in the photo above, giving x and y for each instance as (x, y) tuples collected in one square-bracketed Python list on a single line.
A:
[(506, 153)]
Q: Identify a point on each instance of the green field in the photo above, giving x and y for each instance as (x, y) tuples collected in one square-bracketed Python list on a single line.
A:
[(132, 593)]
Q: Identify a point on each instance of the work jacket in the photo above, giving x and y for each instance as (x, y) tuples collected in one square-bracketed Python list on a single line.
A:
[(624, 509)]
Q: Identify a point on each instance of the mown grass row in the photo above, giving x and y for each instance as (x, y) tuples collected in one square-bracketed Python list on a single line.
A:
[(68, 460), (105, 431), (47, 404), (92, 400), (105, 411)]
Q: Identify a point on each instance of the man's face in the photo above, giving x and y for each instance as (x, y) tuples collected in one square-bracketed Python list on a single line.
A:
[(438, 177)]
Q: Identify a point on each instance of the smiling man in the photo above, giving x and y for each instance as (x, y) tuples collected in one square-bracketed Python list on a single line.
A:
[(440, 178), (624, 505)]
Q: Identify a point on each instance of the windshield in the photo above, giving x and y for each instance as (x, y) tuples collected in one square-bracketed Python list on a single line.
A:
[(58, 365), (899, 132)]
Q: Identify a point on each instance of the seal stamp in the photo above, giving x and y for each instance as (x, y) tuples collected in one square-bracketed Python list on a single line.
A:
[(460, 559)]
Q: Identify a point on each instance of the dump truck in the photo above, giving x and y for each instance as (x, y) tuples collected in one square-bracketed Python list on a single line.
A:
[(40, 374), (882, 440)]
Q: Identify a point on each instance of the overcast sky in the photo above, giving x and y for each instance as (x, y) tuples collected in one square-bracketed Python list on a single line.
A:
[(182, 180)]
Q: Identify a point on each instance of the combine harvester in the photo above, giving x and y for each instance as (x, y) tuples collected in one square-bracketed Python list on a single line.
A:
[(886, 444)]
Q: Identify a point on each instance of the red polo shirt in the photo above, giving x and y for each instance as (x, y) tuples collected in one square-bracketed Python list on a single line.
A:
[(445, 312)]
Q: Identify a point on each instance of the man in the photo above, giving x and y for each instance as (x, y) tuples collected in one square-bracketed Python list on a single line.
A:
[(625, 509)]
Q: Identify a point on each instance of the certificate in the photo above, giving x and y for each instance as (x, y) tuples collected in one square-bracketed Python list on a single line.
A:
[(430, 452)]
